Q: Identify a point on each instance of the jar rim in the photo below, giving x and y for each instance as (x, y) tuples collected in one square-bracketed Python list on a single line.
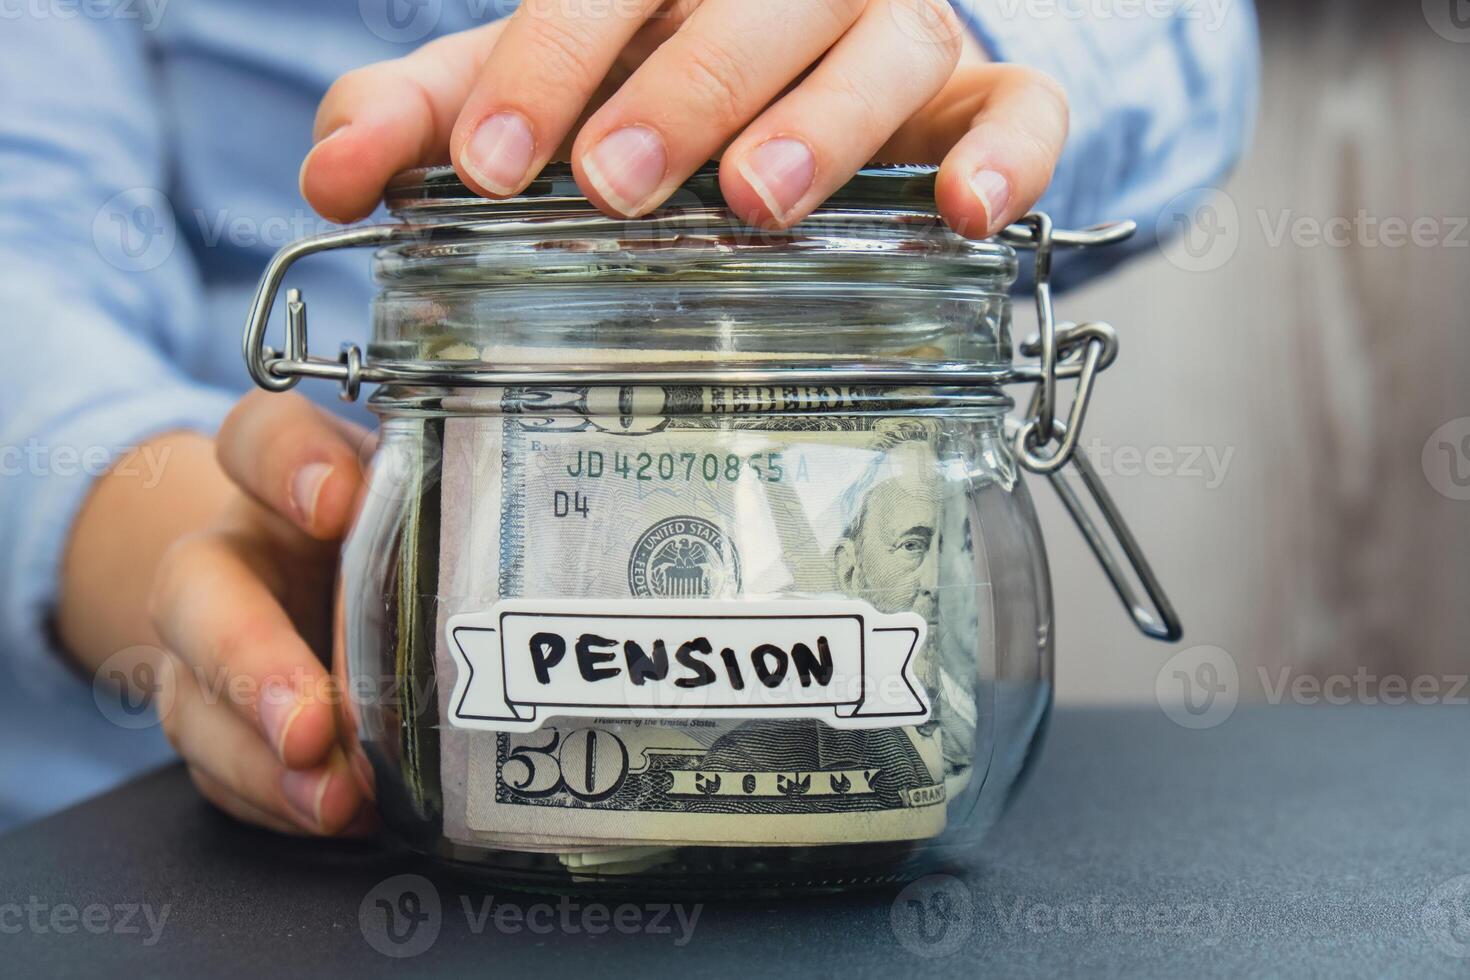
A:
[(882, 224), (880, 189)]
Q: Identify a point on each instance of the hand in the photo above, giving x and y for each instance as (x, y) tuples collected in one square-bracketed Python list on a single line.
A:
[(794, 96), (240, 601)]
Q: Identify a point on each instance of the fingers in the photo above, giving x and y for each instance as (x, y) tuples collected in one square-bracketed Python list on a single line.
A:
[(236, 770), (388, 117), (697, 90), (811, 142), (661, 25), (514, 90), (294, 459), (532, 89), (238, 807), (999, 169), (213, 611)]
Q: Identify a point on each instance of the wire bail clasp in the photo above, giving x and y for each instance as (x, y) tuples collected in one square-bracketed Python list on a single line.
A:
[(1080, 351), (1065, 351), (275, 371)]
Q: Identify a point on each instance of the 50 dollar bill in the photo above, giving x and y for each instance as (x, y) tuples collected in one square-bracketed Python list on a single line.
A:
[(697, 494)]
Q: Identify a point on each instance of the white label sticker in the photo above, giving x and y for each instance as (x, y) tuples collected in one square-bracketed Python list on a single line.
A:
[(840, 661)]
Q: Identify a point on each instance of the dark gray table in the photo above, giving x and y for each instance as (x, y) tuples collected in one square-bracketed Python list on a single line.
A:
[(1287, 841)]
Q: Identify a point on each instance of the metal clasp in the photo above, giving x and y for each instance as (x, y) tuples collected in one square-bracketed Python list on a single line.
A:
[(1080, 351), (1068, 351), (275, 371)]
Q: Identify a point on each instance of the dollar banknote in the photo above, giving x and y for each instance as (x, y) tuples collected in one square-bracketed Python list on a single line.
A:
[(685, 493)]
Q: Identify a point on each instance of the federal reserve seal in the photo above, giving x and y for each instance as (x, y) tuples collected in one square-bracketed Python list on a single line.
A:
[(683, 558)]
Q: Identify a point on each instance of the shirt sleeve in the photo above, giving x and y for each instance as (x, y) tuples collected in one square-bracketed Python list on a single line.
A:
[(1163, 97), (99, 296)]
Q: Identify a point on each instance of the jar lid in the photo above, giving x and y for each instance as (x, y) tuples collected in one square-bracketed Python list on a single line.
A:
[(873, 276), (881, 227), (892, 189)]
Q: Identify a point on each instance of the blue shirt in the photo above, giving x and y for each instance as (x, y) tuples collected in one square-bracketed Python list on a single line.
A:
[(148, 168)]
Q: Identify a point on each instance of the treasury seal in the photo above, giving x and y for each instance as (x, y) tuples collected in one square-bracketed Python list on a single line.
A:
[(683, 558)]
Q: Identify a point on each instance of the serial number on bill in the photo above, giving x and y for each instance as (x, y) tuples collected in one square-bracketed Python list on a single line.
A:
[(593, 464)]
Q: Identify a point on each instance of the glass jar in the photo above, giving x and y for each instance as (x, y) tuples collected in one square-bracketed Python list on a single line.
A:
[(696, 557)]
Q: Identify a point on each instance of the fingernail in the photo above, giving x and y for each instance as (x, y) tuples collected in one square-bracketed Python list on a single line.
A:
[(780, 171), (994, 192), (627, 167), (279, 708), (306, 160), (305, 791), (306, 487), (499, 153)]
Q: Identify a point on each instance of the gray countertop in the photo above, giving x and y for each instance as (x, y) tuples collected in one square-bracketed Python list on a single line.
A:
[(1288, 841)]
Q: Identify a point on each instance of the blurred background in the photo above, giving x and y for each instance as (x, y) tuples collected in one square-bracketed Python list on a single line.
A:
[(1288, 425)]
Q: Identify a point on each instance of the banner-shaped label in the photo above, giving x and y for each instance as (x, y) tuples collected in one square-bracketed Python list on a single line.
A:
[(836, 660)]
